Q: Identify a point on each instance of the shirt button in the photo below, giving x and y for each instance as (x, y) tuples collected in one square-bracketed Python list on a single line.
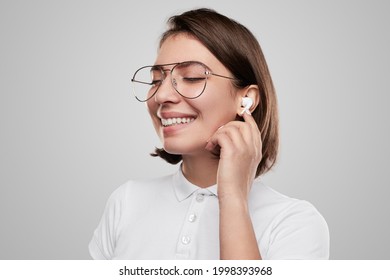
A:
[(192, 218), (199, 197), (186, 240)]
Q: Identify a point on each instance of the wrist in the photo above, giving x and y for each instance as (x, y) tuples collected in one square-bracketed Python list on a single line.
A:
[(233, 201)]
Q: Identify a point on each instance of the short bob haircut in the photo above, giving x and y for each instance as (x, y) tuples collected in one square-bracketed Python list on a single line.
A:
[(239, 51)]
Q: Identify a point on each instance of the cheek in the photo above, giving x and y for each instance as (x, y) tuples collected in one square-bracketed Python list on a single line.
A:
[(150, 107), (152, 110), (217, 111)]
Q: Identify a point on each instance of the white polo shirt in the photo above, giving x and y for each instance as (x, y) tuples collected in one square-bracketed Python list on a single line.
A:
[(170, 218)]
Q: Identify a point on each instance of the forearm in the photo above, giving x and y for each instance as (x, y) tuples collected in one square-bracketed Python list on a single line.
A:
[(236, 234)]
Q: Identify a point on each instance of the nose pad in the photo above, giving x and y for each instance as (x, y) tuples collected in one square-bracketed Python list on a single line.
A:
[(174, 83), (167, 92)]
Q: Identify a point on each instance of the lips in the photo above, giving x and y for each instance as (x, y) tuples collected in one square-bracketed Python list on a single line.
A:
[(172, 121), (171, 118), (176, 121)]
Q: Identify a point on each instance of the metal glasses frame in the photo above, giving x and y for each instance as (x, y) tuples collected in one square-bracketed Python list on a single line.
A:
[(207, 72)]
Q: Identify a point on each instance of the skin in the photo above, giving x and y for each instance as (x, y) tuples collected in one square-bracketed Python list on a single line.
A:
[(215, 127)]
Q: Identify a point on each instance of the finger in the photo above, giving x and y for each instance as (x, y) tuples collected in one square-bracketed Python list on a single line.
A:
[(228, 130), (221, 141), (248, 118), (244, 129), (236, 135), (239, 131), (238, 146), (257, 140)]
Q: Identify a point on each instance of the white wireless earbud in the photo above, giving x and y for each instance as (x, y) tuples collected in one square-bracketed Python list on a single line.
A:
[(246, 103)]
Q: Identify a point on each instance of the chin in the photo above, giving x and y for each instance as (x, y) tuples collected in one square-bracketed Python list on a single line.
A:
[(175, 150), (172, 151), (180, 149)]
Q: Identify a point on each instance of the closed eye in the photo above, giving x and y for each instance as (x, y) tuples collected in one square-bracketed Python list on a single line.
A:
[(141, 82), (155, 82), (192, 80)]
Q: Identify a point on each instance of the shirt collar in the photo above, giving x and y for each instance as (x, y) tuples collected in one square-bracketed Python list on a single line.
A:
[(184, 188)]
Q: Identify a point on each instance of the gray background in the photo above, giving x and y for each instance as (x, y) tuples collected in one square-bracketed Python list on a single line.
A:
[(71, 132)]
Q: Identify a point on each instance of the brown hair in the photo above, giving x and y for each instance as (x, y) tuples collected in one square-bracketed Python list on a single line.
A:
[(239, 51)]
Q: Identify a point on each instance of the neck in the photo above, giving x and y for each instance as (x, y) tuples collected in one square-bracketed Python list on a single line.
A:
[(200, 170)]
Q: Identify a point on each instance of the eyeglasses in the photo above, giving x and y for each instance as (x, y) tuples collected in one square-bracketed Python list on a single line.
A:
[(188, 78)]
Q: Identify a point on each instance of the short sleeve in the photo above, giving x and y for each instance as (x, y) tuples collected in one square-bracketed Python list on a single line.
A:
[(299, 232), (102, 245)]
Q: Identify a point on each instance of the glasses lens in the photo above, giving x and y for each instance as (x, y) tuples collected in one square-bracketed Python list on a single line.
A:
[(189, 79), (146, 82)]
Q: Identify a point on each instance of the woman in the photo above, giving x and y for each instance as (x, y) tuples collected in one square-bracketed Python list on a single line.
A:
[(212, 102)]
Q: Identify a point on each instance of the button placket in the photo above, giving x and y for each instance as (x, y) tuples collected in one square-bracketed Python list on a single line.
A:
[(192, 217), (186, 240), (190, 227), (200, 197)]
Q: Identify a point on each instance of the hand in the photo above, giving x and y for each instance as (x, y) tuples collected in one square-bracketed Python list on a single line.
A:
[(240, 153)]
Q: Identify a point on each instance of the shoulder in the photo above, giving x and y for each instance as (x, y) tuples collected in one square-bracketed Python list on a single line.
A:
[(294, 228), (142, 186), (267, 199), (134, 196)]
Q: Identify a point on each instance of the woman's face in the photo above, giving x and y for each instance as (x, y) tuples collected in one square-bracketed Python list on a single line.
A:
[(217, 105)]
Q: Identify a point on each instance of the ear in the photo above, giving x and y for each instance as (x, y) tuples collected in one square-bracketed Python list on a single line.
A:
[(252, 92)]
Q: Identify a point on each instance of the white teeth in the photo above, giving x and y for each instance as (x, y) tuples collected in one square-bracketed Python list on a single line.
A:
[(175, 121)]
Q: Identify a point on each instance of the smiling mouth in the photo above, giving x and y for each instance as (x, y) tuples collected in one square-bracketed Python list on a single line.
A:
[(176, 121)]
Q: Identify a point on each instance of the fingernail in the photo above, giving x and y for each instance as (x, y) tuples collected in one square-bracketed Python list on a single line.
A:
[(245, 111), (209, 146)]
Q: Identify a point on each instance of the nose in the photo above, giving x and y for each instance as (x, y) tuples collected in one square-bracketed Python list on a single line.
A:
[(166, 92)]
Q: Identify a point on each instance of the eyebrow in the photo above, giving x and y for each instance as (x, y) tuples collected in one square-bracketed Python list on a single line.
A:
[(160, 66), (156, 67), (166, 64)]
